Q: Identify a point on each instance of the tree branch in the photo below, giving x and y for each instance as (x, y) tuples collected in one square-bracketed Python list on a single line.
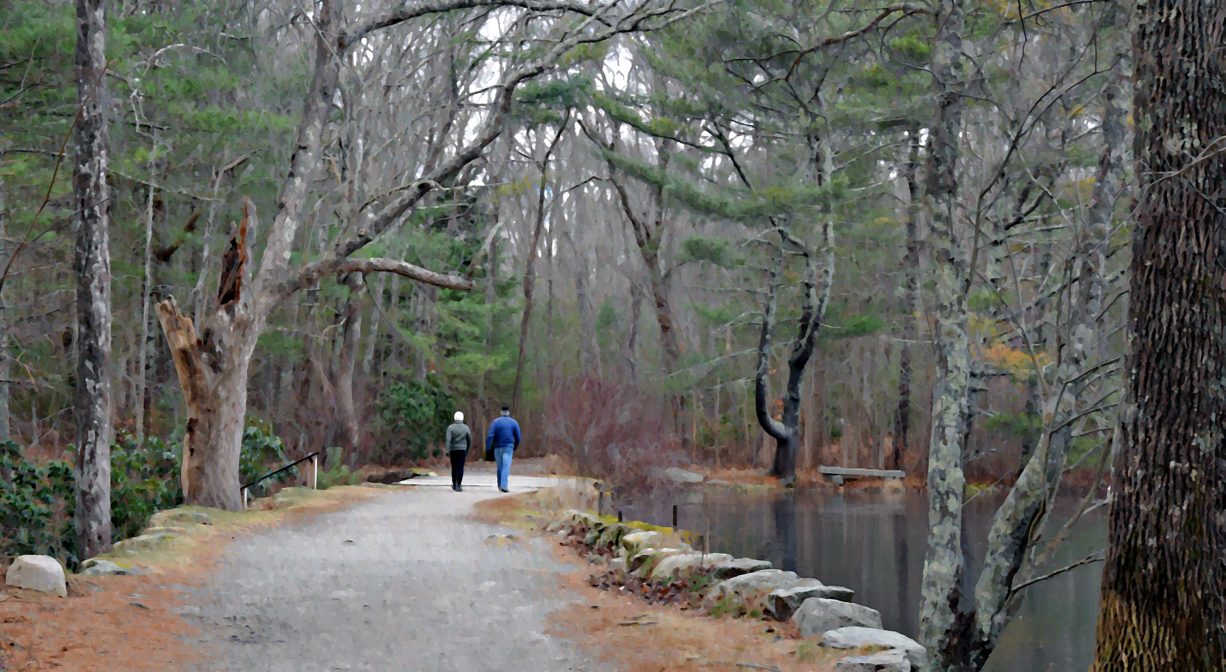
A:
[(419, 9), (313, 272)]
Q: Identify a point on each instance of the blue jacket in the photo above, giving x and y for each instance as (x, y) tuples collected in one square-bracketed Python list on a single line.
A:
[(504, 431)]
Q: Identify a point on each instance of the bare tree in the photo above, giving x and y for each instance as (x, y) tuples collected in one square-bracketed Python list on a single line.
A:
[(213, 364), (92, 265), (534, 245)]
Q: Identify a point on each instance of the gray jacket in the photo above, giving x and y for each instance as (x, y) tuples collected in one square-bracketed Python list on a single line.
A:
[(459, 437)]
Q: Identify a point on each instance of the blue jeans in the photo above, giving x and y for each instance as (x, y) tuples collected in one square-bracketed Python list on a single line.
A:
[(502, 460)]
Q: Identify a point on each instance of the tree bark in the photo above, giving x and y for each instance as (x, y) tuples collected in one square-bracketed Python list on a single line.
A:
[(1164, 583), (944, 562), (146, 289), (92, 266), (351, 334)]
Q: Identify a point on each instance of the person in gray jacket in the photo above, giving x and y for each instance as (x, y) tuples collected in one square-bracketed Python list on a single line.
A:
[(459, 439)]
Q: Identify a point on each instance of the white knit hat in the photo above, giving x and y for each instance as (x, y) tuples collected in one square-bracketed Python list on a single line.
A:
[(459, 416)]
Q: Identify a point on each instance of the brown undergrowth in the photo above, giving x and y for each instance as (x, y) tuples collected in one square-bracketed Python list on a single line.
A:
[(131, 623), (642, 627)]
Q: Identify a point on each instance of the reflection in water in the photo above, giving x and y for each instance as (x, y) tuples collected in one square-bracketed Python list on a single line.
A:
[(874, 543)]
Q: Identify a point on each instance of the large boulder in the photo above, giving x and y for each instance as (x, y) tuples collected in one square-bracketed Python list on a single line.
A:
[(856, 637), (635, 542), (179, 517), (748, 592), (163, 529), (611, 535), (583, 519), (893, 660), (679, 475), (391, 476), (96, 567), (686, 564), (37, 572), (739, 567), (782, 603), (644, 561), (817, 615), (144, 542)]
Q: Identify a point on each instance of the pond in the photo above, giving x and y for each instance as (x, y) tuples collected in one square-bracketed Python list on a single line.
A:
[(874, 543)]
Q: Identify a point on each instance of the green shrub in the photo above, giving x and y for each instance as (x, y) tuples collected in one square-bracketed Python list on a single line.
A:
[(414, 415), (262, 451), (36, 506), (337, 474), (37, 501), (144, 480)]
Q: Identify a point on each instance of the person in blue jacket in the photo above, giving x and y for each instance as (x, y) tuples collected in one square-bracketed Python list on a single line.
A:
[(504, 438)]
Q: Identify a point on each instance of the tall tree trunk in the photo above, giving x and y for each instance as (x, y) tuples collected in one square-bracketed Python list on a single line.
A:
[(5, 364), (212, 371), (142, 345), (589, 348), (944, 562), (351, 334), (1164, 583), (529, 268), (911, 305), (92, 265), (632, 339)]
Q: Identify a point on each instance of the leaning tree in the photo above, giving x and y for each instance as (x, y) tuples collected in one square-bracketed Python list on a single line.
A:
[(212, 360)]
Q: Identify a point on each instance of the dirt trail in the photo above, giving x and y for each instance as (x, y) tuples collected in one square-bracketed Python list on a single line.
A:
[(404, 582)]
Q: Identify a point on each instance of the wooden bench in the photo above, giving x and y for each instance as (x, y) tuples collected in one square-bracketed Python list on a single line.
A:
[(839, 474)]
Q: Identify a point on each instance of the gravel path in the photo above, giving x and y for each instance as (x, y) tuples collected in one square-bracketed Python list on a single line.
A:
[(403, 582)]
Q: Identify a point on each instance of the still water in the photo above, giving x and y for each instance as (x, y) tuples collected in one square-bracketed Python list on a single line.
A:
[(874, 543)]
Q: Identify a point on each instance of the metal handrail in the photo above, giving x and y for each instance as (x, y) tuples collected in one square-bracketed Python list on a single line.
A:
[(313, 457)]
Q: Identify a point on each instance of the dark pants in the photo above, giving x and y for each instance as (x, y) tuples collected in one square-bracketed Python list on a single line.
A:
[(457, 466)]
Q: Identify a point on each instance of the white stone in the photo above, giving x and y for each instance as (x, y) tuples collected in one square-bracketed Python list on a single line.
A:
[(37, 572), (894, 660), (817, 615), (637, 541), (856, 637), (95, 567), (640, 563), (686, 563)]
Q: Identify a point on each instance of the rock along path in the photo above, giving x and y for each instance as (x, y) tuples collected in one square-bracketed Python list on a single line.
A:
[(406, 581)]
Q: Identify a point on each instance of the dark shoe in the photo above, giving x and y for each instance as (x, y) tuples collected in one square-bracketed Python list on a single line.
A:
[(455, 487), (459, 488), (504, 489)]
